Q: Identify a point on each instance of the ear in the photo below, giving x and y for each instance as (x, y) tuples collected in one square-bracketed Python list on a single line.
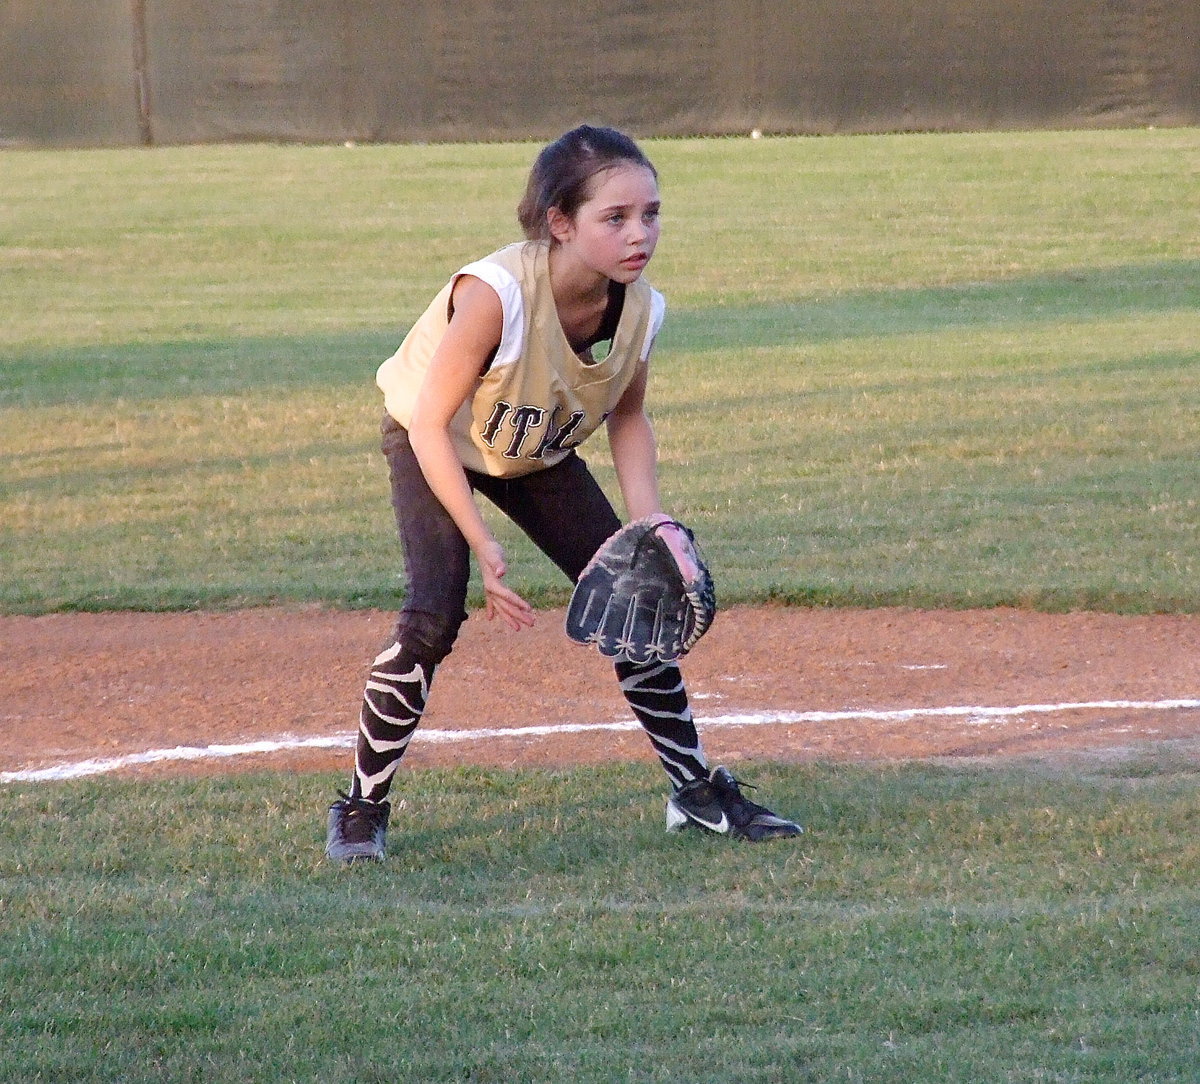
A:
[(561, 225)]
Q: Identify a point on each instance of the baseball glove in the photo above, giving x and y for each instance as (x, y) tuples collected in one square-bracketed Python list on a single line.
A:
[(646, 595)]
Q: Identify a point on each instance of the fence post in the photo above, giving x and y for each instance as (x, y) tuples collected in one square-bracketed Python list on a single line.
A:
[(141, 76)]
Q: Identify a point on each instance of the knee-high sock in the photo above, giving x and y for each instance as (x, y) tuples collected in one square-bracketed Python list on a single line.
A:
[(393, 703), (659, 700)]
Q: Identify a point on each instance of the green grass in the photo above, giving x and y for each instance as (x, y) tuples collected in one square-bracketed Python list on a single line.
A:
[(940, 370), (934, 925)]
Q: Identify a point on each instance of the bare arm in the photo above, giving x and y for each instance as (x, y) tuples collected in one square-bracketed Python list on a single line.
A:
[(474, 332), (634, 450)]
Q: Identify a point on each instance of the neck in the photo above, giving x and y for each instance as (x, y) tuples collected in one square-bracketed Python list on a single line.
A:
[(573, 284)]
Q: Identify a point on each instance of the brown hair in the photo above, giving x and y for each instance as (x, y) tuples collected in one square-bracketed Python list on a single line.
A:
[(564, 169)]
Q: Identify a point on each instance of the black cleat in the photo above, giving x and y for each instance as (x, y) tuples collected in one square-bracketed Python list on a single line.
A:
[(357, 830), (718, 805)]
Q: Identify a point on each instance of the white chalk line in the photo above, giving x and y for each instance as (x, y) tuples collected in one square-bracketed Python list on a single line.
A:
[(974, 714)]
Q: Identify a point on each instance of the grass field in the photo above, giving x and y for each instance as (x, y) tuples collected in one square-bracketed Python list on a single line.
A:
[(935, 925), (931, 370)]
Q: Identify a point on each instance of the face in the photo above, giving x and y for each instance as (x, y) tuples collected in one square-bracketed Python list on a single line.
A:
[(615, 230)]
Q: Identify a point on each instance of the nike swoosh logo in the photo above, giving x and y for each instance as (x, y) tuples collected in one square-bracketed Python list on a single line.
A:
[(721, 826)]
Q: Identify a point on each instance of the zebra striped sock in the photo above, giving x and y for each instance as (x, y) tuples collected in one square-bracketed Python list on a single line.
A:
[(658, 698), (393, 703)]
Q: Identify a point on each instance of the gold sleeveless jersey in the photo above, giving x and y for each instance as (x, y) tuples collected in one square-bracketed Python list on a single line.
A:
[(538, 399)]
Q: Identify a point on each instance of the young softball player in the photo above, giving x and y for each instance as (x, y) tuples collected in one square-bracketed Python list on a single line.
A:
[(520, 358)]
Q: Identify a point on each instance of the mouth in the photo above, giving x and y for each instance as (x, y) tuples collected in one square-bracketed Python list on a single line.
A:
[(636, 261)]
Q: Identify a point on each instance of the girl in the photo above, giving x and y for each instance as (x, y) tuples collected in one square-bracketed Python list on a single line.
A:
[(491, 392)]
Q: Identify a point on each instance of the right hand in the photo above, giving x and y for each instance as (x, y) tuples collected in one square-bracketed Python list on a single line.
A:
[(502, 602)]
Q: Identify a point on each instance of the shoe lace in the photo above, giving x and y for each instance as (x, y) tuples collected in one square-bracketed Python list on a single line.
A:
[(731, 788), (360, 819)]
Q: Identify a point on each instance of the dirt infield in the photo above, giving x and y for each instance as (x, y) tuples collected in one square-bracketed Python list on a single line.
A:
[(774, 683)]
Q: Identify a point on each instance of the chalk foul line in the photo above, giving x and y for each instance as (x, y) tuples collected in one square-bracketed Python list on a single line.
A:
[(81, 768)]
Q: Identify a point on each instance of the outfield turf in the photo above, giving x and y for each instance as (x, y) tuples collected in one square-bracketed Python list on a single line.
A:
[(925, 370)]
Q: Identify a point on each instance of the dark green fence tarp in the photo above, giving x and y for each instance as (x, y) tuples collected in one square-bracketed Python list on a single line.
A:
[(67, 73), (191, 71)]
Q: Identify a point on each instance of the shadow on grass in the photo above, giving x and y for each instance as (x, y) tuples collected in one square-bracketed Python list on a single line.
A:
[(1079, 295), (193, 367), (217, 366)]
